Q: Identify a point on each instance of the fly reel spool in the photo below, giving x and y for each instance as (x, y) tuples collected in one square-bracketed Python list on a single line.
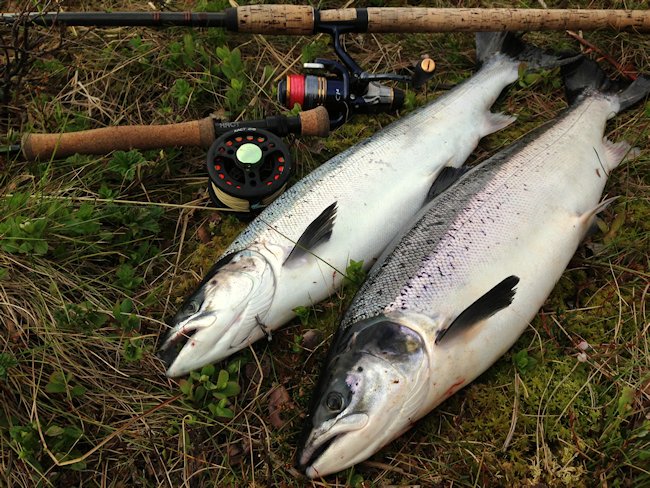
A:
[(248, 169)]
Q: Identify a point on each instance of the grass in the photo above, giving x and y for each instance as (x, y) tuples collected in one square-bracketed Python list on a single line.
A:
[(98, 251)]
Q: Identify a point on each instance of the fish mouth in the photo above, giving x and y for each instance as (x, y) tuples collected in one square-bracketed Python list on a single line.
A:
[(320, 442), (176, 341), (307, 466), (178, 361), (174, 344)]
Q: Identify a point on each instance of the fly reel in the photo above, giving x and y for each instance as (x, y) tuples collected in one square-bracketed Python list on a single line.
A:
[(248, 169)]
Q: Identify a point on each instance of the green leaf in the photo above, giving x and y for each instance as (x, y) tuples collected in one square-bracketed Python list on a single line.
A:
[(219, 411), (181, 91), (126, 306), (199, 393), (188, 46), (55, 388), (54, 431), (234, 366), (524, 362), (17, 200), (356, 480), (133, 350), (57, 383), (303, 314), (231, 389), (295, 345), (7, 361), (107, 192), (77, 391), (186, 388), (124, 163), (78, 466), (222, 380), (207, 370), (354, 273), (73, 432), (624, 406), (126, 277)]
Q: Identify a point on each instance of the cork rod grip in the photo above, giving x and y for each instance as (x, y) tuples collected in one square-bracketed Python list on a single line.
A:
[(417, 19), (102, 141), (276, 19), (315, 122)]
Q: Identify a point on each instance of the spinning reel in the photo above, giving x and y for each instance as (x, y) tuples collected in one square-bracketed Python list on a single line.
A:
[(343, 88)]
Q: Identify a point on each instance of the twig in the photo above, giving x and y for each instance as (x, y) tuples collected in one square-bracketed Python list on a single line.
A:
[(628, 73)]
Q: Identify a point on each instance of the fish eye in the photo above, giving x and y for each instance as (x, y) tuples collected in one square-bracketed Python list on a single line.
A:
[(192, 307), (334, 401)]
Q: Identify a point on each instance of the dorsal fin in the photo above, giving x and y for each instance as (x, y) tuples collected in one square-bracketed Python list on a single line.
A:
[(487, 305), (317, 232), (447, 177)]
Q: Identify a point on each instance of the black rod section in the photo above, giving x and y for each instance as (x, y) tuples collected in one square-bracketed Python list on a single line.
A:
[(119, 19), (11, 149)]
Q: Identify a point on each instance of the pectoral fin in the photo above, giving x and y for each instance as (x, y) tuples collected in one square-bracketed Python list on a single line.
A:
[(487, 305), (447, 177), (587, 217), (317, 232)]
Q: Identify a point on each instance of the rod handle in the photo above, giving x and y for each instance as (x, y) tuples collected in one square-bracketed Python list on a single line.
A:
[(420, 19), (102, 141), (315, 122), (275, 19)]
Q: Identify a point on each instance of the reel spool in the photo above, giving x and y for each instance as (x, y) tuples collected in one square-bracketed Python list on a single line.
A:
[(248, 169)]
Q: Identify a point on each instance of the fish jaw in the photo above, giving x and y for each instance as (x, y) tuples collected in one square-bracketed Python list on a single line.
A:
[(340, 442), (372, 390), (223, 316)]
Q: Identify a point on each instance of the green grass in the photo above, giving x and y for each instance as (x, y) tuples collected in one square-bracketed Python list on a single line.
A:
[(97, 252)]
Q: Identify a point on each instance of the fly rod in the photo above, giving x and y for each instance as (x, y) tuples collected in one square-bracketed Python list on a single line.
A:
[(304, 20)]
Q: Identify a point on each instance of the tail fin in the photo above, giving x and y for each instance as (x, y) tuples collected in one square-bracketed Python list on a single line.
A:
[(584, 74), (488, 44), (638, 90)]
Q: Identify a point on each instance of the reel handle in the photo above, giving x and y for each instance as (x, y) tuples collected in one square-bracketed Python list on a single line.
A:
[(423, 72), (201, 133)]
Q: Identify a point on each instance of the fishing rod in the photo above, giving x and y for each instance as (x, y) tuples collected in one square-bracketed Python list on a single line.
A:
[(343, 88), (305, 20)]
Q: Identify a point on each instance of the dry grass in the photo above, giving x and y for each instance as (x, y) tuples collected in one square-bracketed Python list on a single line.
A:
[(84, 402)]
